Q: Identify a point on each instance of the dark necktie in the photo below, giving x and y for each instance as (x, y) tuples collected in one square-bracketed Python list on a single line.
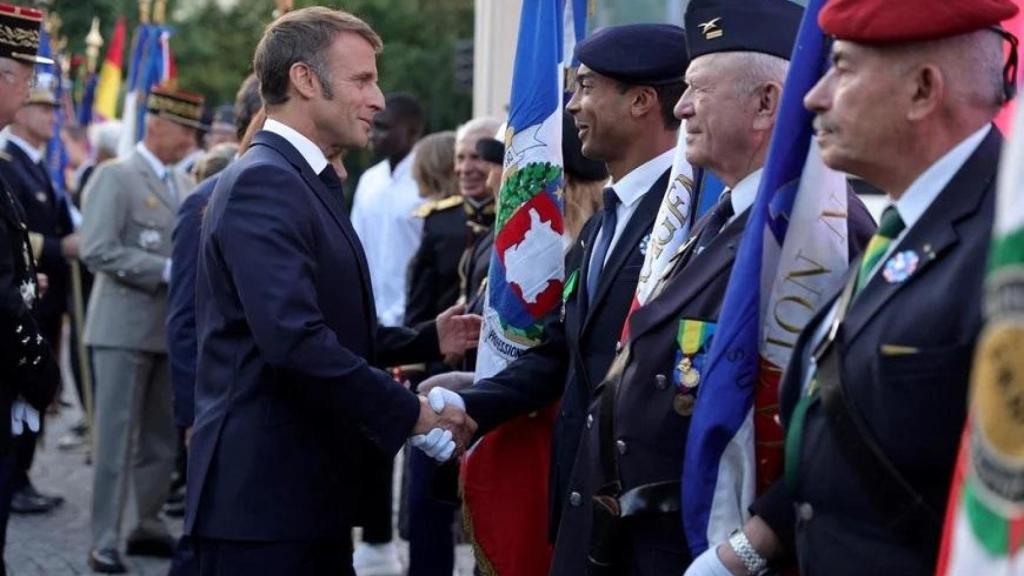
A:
[(609, 218), (716, 221), (888, 229), (330, 179)]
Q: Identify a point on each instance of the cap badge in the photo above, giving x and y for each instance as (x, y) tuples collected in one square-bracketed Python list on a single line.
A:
[(711, 29)]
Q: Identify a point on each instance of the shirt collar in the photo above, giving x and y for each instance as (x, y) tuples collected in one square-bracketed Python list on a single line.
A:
[(632, 187), (744, 192), (309, 151), (927, 187), (34, 154), (158, 167)]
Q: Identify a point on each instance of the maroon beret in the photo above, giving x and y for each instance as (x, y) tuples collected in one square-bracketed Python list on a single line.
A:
[(884, 21)]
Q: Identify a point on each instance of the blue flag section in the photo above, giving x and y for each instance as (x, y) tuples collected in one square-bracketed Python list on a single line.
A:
[(48, 76), (526, 269), (151, 65), (720, 469)]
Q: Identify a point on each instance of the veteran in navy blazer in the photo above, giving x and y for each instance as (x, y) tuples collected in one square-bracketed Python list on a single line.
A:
[(622, 110), (874, 398), (633, 444), (287, 395)]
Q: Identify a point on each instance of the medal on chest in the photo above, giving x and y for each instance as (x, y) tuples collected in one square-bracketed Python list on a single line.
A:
[(694, 343)]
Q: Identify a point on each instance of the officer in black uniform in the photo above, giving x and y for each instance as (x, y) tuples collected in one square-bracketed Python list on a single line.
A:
[(28, 370), (631, 453), (623, 112), (48, 216)]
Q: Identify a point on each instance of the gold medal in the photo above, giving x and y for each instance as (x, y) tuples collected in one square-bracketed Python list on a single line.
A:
[(151, 201), (689, 375), (683, 404)]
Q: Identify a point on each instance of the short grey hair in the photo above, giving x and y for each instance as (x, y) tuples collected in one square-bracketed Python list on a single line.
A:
[(973, 64), (104, 137), (759, 68), (484, 124)]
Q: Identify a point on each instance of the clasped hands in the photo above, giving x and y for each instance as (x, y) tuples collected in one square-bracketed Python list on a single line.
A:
[(443, 429)]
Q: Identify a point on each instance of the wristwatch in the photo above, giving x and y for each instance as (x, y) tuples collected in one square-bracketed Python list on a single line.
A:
[(755, 564)]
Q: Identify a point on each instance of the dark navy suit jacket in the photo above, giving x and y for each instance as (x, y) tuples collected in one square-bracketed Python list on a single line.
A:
[(905, 351), (181, 301), (577, 351), (287, 401)]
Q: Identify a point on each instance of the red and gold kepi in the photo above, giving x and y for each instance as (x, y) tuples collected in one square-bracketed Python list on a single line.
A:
[(177, 106), (19, 34)]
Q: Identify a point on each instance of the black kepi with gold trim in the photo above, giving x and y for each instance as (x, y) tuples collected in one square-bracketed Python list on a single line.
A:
[(178, 106), (19, 34)]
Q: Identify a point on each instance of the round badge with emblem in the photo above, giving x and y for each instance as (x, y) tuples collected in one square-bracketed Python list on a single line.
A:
[(149, 239), (644, 243), (900, 266), (41, 197)]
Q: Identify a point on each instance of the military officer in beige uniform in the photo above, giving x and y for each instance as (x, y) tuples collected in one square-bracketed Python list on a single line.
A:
[(128, 214)]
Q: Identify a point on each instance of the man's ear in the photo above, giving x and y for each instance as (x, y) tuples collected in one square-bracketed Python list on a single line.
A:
[(769, 98), (644, 99), (928, 90), (303, 81)]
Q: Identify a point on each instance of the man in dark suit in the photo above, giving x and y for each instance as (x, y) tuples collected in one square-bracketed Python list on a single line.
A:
[(623, 111), (28, 370), (53, 242), (874, 398), (288, 337)]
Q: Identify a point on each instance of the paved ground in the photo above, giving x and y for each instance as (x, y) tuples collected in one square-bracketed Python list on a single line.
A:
[(57, 544)]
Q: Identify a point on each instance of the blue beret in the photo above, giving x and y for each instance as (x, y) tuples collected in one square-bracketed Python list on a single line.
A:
[(767, 26), (637, 53)]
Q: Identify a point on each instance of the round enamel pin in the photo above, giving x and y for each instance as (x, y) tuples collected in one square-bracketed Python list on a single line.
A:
[(644, 242), (900, 266)]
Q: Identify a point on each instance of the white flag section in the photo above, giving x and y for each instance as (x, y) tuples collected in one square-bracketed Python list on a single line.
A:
[(527, 267), (672, 225), (810, 265)]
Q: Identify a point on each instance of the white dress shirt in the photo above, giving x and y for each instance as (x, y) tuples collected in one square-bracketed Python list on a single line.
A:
[(312, 153), (630, 190), (921, 193), (382, 215), (744, 193)]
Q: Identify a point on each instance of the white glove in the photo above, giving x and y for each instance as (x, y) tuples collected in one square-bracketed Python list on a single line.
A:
[(437, 444), (23, 415), (708, 564), (439, 397)]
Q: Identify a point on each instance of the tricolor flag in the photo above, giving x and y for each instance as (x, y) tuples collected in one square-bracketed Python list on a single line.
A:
[(985, 520), (108, 88), (792, 255), (152, 64), (505, 475)]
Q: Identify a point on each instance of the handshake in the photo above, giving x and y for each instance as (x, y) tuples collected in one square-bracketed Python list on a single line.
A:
[(443, 429)]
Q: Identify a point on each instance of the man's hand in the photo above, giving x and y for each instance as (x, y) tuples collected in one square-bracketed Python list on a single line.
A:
[(69, 246), (443, 428), (42, 284), (454, 381), (457, 331)]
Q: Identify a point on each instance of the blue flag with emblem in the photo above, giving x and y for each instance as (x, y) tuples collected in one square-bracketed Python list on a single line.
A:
[(792, 255)]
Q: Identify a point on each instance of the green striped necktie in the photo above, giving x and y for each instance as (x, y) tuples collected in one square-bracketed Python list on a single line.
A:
[(889, 228)]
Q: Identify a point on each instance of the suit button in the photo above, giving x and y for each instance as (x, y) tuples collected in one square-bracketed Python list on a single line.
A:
[(805, 511), (590, 421), (575, 499), (660, 382), (620, 445)]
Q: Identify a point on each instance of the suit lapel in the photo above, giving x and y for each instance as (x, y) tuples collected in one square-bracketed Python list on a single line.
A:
[(639, 224), (696, 272), (933, 235), (331, 204)]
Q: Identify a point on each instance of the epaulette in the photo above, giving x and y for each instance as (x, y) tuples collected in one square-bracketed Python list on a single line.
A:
[(438, 206)]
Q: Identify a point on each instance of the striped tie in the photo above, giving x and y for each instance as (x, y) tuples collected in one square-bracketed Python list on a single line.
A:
[(889, 228)]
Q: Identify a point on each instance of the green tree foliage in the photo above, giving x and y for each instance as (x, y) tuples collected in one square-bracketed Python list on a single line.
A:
[(214, 41)]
